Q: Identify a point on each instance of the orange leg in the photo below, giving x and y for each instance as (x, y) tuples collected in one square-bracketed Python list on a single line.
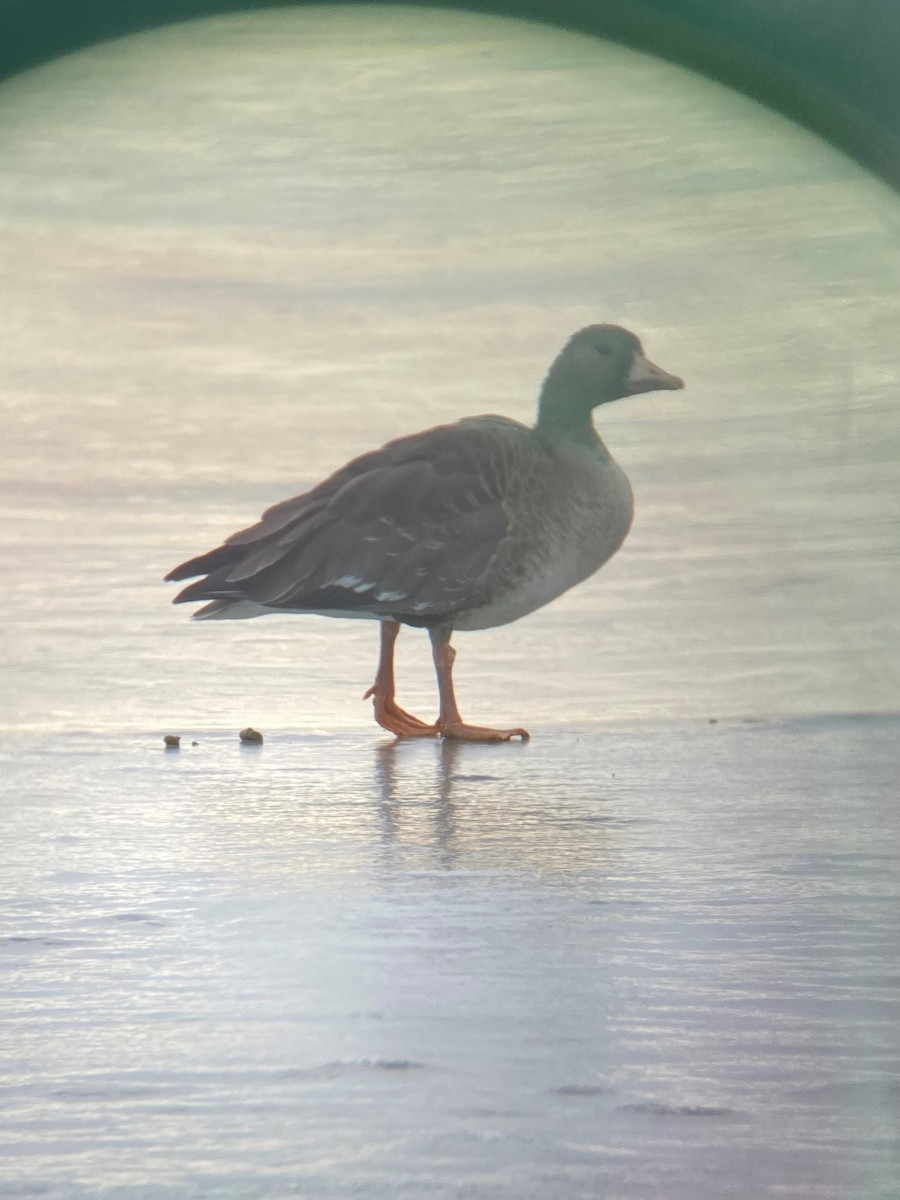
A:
[(388, 713), (450, 723)]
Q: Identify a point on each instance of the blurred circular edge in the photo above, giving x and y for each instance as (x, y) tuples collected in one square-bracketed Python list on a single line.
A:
[(830, 69)]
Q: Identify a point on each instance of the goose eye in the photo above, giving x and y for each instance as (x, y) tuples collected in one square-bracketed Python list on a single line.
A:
[(604, 350)]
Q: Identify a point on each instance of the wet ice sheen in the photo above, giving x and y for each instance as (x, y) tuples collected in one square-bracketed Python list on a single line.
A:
[(628, 960)]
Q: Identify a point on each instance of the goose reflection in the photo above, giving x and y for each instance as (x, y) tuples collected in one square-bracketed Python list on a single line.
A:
[(455, 808), (400, 820), (327, 811)]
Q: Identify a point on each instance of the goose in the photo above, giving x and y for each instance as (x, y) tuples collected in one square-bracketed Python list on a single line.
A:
[(464, 526)]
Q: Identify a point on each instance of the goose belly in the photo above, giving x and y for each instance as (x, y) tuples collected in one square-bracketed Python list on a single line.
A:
[(592, 533)]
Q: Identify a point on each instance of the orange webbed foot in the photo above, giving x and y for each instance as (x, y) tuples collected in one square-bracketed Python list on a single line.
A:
[(459, 731), (397, 720)]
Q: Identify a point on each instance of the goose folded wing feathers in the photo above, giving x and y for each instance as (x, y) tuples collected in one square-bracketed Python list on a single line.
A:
[(405, 530)]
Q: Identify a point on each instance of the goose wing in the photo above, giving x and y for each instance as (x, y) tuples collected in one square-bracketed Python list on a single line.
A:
[(407, 531)]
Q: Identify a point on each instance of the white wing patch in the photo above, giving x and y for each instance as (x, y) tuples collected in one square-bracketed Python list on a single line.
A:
[(361, 585), (351, 581)]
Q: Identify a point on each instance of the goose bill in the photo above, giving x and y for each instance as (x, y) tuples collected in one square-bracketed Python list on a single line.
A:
[(646, 376)]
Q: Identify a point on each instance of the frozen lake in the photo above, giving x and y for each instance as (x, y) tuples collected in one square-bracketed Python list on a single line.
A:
[(652, 955), (637, 960)]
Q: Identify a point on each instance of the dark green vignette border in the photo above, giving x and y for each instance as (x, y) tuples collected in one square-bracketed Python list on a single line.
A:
[(830, 65)]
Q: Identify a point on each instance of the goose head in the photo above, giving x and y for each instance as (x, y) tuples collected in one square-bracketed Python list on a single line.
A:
[(597, 365)]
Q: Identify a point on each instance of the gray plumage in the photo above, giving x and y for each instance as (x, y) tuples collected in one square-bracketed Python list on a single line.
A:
[(408, 532)]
